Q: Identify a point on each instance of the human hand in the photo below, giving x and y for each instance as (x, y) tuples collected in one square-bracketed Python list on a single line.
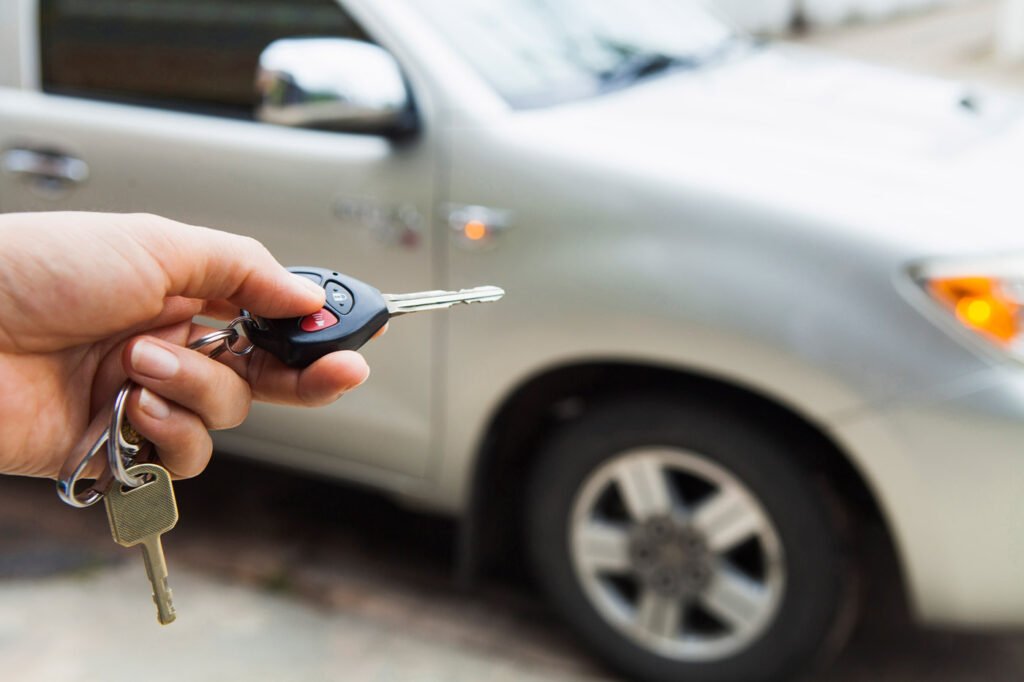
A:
[(87, 299)]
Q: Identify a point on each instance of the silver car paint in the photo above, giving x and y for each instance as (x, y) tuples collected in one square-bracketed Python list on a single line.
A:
[(767, 249), (751, 222)]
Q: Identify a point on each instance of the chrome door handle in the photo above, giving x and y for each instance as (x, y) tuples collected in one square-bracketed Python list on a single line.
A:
[(49, 167)]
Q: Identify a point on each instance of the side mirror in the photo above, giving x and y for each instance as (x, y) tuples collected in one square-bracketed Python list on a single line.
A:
[(333, 83)]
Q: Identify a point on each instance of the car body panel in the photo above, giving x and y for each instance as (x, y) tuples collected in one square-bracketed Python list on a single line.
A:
[(740, 254), (948, 471)]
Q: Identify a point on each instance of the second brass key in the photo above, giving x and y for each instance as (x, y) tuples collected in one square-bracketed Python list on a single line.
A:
[(139, 516)]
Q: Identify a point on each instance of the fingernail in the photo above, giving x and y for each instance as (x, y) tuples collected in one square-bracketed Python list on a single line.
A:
[(153, 361), (153, 405)]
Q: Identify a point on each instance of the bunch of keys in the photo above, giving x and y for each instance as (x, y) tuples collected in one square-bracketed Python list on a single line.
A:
[(138, 494)]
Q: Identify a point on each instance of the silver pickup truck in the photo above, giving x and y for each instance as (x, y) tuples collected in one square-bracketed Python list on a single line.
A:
[(757, 298)]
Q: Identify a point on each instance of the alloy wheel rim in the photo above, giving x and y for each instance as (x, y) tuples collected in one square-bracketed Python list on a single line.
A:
[(676, 553)]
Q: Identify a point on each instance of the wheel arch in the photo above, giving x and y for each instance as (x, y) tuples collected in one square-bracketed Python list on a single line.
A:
[(492, 528)]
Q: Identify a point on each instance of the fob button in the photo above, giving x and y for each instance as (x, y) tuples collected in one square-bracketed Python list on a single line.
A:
[(339, 298), (312, 276), (318, 320)]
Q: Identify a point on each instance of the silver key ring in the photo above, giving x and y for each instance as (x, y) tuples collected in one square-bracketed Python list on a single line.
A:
[(240, 323), (121, 452), (69, 478), (120, 449)]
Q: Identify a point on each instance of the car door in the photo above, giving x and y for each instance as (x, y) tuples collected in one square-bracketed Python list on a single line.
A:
[(147, 106)]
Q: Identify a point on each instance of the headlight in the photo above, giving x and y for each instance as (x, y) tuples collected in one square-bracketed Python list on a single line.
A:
[(987, 300)]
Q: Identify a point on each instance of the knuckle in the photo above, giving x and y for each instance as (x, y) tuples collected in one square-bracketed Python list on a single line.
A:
[(252, 246), (194, 454), (232, 414), (145, 216), (257, 365), (306, 397), (310, 398), (199, 390), (148, 221), (226, 399)]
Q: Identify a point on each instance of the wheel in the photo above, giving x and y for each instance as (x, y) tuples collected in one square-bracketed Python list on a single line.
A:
[(682, 542)]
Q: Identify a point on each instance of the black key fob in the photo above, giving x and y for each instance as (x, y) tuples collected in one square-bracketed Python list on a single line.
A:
[(354, 312)]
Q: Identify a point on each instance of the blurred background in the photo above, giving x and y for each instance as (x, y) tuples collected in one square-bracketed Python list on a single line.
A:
[(713, 156)]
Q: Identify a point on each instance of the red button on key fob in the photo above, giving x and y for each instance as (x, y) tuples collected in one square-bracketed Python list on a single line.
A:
[(317, 321)]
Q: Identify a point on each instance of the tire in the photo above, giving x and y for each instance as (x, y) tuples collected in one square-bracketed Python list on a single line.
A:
[(682, 541)]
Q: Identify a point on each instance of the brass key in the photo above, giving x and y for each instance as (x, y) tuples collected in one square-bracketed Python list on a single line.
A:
[(140, 516)]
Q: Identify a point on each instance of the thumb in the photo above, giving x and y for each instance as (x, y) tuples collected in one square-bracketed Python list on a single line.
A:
[(212, 265)]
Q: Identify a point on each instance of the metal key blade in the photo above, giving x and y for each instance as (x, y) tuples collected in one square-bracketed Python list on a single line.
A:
[(156, 569), (139, 516), (400, 304)]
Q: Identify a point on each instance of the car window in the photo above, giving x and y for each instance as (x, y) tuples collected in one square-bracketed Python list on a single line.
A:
[(194, 55), (540, 52)]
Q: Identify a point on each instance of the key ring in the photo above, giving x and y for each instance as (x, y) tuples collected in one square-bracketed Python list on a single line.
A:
[(119, 439), (121, 450), (69, 478), (238, 324)]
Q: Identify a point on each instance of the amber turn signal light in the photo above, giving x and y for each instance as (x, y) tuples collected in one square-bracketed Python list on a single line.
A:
[(474, 230), (980, 304)]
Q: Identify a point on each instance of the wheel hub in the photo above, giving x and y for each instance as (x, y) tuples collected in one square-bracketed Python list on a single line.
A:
[(653, 539), (670, 557)]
